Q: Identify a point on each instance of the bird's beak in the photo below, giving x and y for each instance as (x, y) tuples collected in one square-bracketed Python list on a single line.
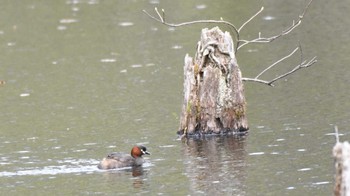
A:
[(145, 152)]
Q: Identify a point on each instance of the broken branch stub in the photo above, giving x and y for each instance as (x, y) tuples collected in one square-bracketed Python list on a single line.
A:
[(214, 99)]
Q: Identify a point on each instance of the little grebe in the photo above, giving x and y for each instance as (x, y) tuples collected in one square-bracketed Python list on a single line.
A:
[(118, 160)]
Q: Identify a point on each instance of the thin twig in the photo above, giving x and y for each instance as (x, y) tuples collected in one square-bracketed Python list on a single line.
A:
[(275, 63), (260, 39), (161, 19), (250, 19), (257, 80), (272, 38), (302, 64), (246, 22)]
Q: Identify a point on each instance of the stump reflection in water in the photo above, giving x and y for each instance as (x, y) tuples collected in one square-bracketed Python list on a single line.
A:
[(216, 165)]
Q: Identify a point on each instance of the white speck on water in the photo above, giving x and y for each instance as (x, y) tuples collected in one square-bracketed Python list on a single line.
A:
[(269, 18), (201, 6), (68, 20), (256, 153), (136, 66), (108, 60), (80, 150), (93, 2), (154, 2), (75, 9), (167, 146), (171, 29), (61, 27), (11, 43), (24, 94), (253, 50), (290, 188), (123, 71), (321, 183), (23, 151), (176, 47), (126, 24), (89, 144), (304, 169), (301, 150), (281, 139)]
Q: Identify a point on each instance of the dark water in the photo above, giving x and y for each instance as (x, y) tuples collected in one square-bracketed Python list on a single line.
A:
[(84, 78)]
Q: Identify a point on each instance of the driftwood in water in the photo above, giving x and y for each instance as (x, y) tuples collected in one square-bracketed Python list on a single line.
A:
[(341, 153), (214, 99)]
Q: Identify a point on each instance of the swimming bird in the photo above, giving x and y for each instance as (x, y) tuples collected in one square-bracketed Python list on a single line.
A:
[(118, 160)]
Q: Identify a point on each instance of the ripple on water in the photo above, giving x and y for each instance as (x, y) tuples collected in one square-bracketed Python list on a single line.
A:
[(70, 166), (75, 166)]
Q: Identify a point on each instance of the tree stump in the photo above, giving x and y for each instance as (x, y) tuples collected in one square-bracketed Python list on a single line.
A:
[(214, 101), (341, 153)]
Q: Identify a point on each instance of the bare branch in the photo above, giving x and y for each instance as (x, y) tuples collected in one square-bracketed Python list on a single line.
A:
[(282, 59), (300, 66), (161, 19), (272, 38), (303, 64), (250, 19), (257, 80)]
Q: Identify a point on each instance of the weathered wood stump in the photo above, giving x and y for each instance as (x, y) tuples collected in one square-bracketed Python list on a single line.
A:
[(341, 153), (214, 101)]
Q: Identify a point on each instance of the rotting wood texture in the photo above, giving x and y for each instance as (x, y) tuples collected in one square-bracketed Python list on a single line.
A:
[(214, 101)]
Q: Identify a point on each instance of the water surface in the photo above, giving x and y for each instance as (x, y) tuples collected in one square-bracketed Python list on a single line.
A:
[(87, 77)]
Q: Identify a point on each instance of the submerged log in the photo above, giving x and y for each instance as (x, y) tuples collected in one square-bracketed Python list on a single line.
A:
[(214, 101)]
